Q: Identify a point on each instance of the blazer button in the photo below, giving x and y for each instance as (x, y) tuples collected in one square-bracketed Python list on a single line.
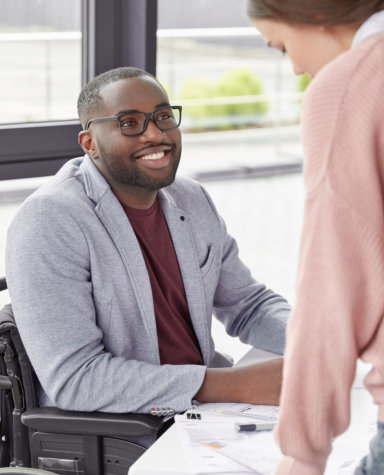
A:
[(182, 218)]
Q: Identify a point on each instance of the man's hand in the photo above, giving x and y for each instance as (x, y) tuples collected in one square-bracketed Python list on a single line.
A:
[(257, 383)]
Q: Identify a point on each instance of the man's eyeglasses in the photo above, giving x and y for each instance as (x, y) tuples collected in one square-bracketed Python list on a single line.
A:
[(135, 122)]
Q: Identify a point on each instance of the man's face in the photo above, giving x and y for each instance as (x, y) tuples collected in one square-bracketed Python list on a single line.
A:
[(136, 164)]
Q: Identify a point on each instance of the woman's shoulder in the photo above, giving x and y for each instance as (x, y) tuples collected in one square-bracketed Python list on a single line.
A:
[(342, 111), (360, 65)]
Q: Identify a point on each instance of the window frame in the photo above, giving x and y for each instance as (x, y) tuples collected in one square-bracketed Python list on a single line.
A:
[(118, 33)]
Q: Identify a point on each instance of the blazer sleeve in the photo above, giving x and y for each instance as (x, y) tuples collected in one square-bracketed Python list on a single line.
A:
[(247, 308)]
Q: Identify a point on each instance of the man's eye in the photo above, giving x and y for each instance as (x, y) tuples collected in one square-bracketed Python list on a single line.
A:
[(128, 123), (164, 116)]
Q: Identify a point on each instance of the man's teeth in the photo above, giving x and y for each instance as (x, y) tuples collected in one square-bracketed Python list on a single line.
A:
[(153, 156)]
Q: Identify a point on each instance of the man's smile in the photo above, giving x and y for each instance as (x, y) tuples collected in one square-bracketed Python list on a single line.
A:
[(154, 157), (156, 160)]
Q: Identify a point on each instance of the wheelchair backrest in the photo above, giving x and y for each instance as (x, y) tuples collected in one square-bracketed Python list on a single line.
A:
[(17, 382)]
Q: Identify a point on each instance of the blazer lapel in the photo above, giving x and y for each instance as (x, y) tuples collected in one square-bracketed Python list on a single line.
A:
[(113, 217), (177, 221)]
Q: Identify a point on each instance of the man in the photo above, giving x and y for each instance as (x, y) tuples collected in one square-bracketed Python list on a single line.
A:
[(114, 270)]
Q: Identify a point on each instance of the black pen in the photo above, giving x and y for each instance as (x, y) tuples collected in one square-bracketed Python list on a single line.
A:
[(251, 427)]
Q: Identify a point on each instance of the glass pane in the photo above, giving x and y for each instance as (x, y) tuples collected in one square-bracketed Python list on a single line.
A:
[(241, 133), (240, 98), (40, 67)]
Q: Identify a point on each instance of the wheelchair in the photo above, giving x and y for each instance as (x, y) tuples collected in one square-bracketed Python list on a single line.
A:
[(50, 439)]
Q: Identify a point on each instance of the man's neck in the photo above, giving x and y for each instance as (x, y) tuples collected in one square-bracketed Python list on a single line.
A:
[(138, 199)]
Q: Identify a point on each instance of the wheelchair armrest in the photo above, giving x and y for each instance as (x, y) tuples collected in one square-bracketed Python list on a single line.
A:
[(54, 420), (3, 283)]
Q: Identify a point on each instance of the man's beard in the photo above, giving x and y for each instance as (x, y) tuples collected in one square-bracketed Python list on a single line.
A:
[(132, 176)]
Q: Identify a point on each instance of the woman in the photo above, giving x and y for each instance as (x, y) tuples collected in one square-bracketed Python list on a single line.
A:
[(338, 314)]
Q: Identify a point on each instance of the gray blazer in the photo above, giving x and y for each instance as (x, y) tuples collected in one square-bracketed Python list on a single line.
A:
[(83, 303)]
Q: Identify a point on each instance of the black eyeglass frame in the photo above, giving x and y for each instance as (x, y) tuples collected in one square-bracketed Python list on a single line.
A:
[(148, 116)]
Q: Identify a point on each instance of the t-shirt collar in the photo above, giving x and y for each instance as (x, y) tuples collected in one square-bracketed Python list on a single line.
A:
[(374, 24)]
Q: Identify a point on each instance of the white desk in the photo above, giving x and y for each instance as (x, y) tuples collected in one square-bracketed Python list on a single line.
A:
[(167, 455)]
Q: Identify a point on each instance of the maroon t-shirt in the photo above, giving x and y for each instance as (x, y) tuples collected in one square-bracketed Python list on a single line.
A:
[(178, 343)]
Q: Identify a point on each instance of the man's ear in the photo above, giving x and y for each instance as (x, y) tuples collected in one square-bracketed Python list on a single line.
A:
[(87, 143)]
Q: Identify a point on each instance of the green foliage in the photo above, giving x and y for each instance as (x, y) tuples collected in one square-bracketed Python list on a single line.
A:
[(303, 82), (239, 82), (198, 88)]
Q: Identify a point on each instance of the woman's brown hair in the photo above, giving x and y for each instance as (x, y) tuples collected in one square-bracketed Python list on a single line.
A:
[(314, 12)]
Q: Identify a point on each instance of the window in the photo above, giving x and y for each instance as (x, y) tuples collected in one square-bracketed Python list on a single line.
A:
[(241, 134), (240, 98), (40, 71), (52, 48)]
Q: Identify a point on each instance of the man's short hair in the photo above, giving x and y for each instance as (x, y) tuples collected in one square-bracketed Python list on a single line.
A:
[(90, 100)]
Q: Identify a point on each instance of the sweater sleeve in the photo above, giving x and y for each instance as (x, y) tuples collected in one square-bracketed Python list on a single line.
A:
[(339, 294)]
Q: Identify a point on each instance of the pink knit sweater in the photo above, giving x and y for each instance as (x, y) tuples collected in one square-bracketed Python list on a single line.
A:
[(338, 314)]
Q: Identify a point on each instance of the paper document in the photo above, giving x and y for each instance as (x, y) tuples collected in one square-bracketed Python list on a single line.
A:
[(213, 448), (199, 436), (268, 413), (253, 411), (208, 442), (259, 454), (362, 369), (213, 445)]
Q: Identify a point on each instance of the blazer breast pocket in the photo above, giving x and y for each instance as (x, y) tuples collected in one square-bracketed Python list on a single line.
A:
[(209, 259)]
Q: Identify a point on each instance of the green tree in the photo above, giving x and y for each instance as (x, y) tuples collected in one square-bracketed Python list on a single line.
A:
[(197, 88), (239, 82), (303, 82)]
